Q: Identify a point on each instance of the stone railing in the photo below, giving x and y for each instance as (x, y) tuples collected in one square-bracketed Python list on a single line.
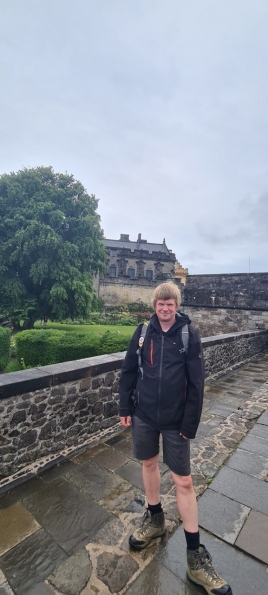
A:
[(48, 412)]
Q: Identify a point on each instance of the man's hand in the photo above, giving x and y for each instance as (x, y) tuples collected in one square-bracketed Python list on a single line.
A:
[(125, 421), (185, 437)]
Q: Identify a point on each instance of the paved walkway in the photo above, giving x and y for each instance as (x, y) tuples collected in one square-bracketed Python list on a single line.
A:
[(65, 532)]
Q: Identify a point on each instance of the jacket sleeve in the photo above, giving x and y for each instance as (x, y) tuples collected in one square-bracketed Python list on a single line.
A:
[(194, 385), (129, 374)]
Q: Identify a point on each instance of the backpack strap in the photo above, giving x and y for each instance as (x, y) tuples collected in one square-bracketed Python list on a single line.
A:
[(141, 341), (185, 337)]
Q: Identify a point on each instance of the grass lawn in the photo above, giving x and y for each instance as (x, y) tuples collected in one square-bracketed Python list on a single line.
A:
[(92, 329)]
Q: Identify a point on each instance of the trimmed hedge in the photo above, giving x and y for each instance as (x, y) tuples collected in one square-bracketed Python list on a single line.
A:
[(48, 346), (4, 346)]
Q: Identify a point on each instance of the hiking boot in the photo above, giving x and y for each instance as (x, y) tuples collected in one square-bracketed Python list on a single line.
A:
[(201, 572), (152, 526)]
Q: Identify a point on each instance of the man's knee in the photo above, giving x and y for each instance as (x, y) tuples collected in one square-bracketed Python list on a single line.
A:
[(183, 482), (150, 464)]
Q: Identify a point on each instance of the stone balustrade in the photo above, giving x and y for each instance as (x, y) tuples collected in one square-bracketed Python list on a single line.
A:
[(51, 411)]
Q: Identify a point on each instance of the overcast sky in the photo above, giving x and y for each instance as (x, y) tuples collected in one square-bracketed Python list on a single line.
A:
[(159, 108)]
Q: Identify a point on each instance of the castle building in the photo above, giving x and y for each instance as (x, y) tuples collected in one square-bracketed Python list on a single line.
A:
[(134, 268)]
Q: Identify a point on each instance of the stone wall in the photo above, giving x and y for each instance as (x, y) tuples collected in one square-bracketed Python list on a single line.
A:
[(119, 292), (214, 321), (59, 408), (245, 290)]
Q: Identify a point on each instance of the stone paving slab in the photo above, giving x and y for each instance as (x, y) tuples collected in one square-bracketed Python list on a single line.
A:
[(41, 589), (34, 559), (221, 410), (254, 536), (132, 471), (119, 499), (249, 463), (73, 575), (111, 459), (2, 578), (5, 589), (242, 488), (93, 479), (245, 575), (260, 430), (255, 444), (89, 453), (15, 525), (28, 488), (221, 516), (264, 418), (68, 515), (57, 472), (156, 579), (125, 446)]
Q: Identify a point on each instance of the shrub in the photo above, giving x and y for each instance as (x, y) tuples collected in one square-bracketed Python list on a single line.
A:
[(13, 366), (49, 346), (4, 346), (38, 347), (77, 346), (111, 343)]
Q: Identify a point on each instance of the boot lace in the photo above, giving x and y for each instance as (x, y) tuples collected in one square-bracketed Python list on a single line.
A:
[(203, 560), (146, 521)]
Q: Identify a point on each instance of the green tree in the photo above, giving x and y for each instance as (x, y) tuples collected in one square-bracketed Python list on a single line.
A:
[(50, 246)]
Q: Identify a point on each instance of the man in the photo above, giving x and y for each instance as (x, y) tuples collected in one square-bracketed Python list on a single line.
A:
[(167, 381)]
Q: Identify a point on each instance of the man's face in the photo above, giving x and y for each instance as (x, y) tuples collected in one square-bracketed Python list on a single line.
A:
[(166, 310)]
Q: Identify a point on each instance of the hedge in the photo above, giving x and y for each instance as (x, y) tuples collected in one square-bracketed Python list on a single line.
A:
[(4, 346), (49, 346)]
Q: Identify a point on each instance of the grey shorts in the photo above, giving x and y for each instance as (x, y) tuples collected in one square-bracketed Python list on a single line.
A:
[(176, 450)]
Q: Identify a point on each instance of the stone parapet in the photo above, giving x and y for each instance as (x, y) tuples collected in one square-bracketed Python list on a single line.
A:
[(46, 410), (213, 321)]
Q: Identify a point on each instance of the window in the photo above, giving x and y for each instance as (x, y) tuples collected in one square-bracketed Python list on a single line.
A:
[(149, 274), (131, 273), (112, 271)]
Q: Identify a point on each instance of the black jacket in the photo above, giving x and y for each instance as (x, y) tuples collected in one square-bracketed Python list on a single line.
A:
[(170, 394)]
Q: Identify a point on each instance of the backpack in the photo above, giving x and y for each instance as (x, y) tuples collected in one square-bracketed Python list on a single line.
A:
[(184, 337)]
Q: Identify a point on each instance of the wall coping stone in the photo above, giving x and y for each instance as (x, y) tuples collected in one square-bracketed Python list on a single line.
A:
[(230, 337), (25, 381), (220, 307)]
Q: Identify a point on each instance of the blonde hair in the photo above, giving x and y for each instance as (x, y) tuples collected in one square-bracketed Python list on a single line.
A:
[(167, 291)]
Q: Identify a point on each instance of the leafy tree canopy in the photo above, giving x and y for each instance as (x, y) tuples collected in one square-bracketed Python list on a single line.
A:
[(50, 245)]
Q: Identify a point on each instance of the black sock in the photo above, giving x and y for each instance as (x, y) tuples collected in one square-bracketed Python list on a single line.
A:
[(155, 508), (192, 540)]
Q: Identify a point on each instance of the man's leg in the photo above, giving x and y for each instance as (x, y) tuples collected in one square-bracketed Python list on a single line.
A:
[(199, 563), (151, 480), (186, 502), (146, 442)]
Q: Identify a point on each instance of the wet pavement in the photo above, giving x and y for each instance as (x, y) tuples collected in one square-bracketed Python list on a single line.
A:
[(65, 532)]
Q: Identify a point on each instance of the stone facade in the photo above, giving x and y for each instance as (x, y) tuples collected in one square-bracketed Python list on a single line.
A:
[(56, 409), (134, 269), (216, 321)]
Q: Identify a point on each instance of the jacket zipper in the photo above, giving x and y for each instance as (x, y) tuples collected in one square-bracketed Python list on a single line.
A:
[(151, 352), (160, 376)]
